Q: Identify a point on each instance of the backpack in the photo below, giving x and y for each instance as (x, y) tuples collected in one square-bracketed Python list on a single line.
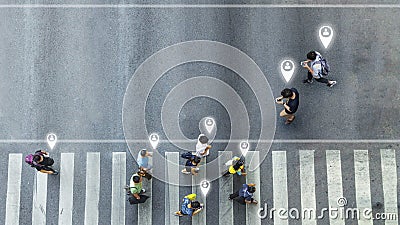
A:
[(325, 68), (133, 201), (30, 161), (187, 155)]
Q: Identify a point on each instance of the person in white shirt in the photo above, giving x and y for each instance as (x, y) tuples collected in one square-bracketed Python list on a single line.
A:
[(315, 69), (202, 146)]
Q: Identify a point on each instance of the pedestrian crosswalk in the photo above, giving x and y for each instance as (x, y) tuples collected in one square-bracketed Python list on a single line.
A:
[(66, 189), (147, 214)]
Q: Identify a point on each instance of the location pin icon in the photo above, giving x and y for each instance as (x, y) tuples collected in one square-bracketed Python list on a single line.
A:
[(209, 124), (287, 69), (205, 187), (51, 140), (325, 35), (244, 147), (154, 139)]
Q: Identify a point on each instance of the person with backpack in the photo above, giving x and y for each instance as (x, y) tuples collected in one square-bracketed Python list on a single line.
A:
[(191, 163), (189, 206), (291, 104), (245, 194), (318, 69), (135, 189), (41, 161), (236, 167)]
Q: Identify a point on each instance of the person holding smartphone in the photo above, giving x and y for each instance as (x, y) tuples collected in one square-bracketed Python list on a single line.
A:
[(290, 100)]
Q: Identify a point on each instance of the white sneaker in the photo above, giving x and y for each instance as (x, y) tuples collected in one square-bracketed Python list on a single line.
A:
[(185, 172), (332, 84), (143, 190)]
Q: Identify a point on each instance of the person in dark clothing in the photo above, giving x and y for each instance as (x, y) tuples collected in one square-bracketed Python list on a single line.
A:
[(244, 195), (43, 163), (191, 165), (291, 105)]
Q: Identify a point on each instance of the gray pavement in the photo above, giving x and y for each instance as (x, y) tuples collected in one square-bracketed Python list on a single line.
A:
[(66, 71)]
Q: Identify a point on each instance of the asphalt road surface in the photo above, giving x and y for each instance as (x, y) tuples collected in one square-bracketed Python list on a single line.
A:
[(67, 70)]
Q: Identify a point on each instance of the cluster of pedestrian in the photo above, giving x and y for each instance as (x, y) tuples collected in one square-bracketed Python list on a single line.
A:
[(317, 69), (135, 189)]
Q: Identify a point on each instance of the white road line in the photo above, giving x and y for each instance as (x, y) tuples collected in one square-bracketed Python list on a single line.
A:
[(39, 199), (362, 184), (252, 217), (288, 141), (171, 190), (389, 182), (334, 178), (307, 182), (118, 196), (13, 189), (280, 189), (200, 218), (145, 209), (92, 188), (66, 189), (202, 6), (225, 188)]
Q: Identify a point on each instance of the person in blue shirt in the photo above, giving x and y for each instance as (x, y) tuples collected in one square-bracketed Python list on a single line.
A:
[(143, 163), (244, 195), (189, 207)]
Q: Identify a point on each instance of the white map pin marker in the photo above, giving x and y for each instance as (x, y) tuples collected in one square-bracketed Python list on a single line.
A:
[(51, 140), (154, 139), (287, 69), (209, 124), (325, 35), (244, 147), (205, 187)]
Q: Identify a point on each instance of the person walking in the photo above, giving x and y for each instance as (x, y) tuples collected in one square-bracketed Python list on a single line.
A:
[(135, 187), (244, 195), (202, 146), (290, 106), (143, 163), (318, 69), (235, 166), (189, 206), (143, 160), (41, 161), (191, 164)]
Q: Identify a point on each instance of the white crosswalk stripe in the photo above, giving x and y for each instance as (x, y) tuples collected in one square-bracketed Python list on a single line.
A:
[(280, 189), (253, 177), (145, 210), (363, 190), (389, 183), (39, 199), (334, 178), (14, 189), (92, 188), (66, 189), (171, 190), (200, 218), (118, 193), (307, 183), (225, 188), (280, 195)]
